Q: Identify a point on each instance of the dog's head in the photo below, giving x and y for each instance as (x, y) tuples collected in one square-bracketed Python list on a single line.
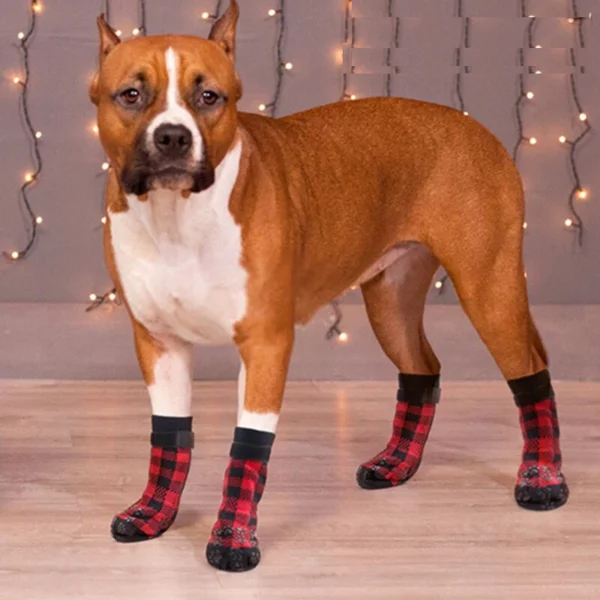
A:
[(167, 105)]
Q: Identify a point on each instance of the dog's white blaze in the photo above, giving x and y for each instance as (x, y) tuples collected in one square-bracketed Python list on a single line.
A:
[(175, 112), (252, 420), (171, 392), (179, 260)]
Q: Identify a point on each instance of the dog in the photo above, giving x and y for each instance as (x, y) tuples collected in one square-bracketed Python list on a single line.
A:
[(226, 227)]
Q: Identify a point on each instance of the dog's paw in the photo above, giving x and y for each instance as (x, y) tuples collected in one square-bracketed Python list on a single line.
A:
[(541, 487), (381, 473), (232, 559)]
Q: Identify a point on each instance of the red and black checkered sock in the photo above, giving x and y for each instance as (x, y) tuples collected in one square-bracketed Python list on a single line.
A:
[(540, 482), (172, 442), (415, 409), (233, 545)]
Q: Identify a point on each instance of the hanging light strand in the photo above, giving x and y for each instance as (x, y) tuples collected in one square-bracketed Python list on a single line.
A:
[(109, 297), (34, 221), (335, 330), (349, 39), (465, 43), (394, 45), (575, 222), (141, 30), (282, 66)]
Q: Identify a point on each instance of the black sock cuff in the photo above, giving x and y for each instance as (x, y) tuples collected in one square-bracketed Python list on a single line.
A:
[(418, 389), (531, 389), (250, 444), (172, 432)]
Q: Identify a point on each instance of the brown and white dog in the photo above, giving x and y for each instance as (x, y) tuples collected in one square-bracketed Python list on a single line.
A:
[(232, 227)]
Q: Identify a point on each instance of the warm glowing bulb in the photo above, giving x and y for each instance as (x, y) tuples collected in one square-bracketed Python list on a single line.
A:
[(289, 66), (525, 273), (525, 225), (466, 113), (582, 194), (16, 80), (28, 177), (562, 139), (533, 141), (538, 72), (105, 166), (38, 135), (262, 107), (37, 6), (112, 297), (568, 222), (439, 285), (39, 220), (119, 33), (136, 31), (343, 337), (103, 220), (353, 96), (530, 95), (583, 117), (95, 129), (532, 16), (571, 20), (538, 46), (205, 16), (21, 35), (14, 255), (93, 297), (272, 12)]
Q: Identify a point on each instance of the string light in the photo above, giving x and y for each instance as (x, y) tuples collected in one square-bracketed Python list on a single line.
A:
[(349, 40), (396, 44), (95, 129), (575, 222), (334, 329), (105, 166), (530, 95), (214, 15), (24, 41), (96, 300)]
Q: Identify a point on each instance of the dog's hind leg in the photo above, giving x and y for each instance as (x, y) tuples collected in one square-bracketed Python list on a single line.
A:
[(491, 285), (166, 366), (395, 302)]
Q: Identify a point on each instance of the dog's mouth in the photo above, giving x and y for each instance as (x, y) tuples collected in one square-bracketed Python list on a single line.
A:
[(143, 179)]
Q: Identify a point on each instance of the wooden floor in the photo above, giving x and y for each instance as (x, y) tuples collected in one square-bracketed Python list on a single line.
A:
[(71, 454)]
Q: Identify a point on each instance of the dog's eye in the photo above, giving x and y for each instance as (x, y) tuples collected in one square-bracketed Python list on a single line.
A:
[(130, 96), (209, 98)]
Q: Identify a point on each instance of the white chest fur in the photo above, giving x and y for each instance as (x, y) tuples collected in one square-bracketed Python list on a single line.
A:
[(179, 260)]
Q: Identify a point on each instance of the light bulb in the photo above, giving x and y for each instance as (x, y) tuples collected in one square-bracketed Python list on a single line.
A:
[(525, 225), (105, 166), (37, 6), (205, 16), (20, 35), (582, 194), (571, 20), (272, 12), (95, 128), (14, 255), (533, 141), (262, 107), (525, 273), (466, 113), (28, 177), (538, 46), (112, 297), (119, 33), (353, 96), (343, 337), (583, 117), (16, 80), (136, 31), (538, 72), (532, 16), (93, 297), (103, 220), (562, 139), (568, 222), (38, 135), (530, 95), (39, 220), (289, 66), (439, 285)]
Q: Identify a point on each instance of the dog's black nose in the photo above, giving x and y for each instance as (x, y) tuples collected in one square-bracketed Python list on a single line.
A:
[(173, 141)]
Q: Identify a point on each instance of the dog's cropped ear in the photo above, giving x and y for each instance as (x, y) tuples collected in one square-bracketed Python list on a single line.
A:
[(108, 38), (223, 31)]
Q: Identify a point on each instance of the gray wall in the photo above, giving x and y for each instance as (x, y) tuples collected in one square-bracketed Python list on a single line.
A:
[(67, 262)]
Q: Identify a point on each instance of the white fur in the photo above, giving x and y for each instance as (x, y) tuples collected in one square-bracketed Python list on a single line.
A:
[(171, 392), (251, 420), (179, 260), (175, 112)]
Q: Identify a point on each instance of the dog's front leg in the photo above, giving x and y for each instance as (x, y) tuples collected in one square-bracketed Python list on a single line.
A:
[(166, 366), (265, 357)]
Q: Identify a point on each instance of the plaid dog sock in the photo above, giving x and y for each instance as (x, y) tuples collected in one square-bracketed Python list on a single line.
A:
[(233, 545), (172, 440), (540, 482), (415, 409)]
